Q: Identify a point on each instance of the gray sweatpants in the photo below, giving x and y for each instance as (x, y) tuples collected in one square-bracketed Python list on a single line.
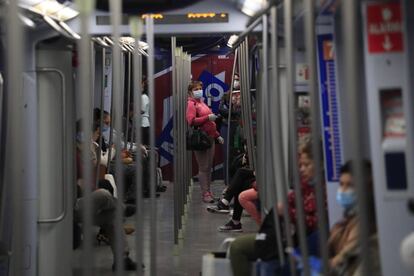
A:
[(103, 215), (205, 163)]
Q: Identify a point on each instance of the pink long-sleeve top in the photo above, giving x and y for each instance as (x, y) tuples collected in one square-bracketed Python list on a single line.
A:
[(197, 115)]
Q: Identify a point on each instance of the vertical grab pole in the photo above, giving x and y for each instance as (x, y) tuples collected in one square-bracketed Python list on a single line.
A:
[(101, 104), (185, 80), (316, 145), (246, 102), (229, 118), (180, 135), (122, 99), (184, 70), (116, 11), (179, 176), (150, 67), (136, 32), (14, 122), (182, 121), (300, 219), (240, 59), (243, 97), (182, 127), (111, 112), (85, 9), (276, 145), (179, 146), (187, 155), (248, 105), (182, 62), (261, 111), (128, 100), (351, 29), (187, 179), (92, 68), (182, 169), (2, 177), (93, 79), (175, 127)]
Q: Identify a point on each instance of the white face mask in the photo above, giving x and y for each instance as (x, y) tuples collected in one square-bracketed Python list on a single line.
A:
[(236, 84), (198, 94)]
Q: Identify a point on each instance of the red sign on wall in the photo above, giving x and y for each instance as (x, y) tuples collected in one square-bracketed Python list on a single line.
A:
[(385, 28)]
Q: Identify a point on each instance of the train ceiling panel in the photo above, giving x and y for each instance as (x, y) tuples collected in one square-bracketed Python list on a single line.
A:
[(189, 18), (60, 11), (146, 6)]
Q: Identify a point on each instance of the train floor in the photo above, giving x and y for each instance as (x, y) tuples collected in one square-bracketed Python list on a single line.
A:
[(200, 237)]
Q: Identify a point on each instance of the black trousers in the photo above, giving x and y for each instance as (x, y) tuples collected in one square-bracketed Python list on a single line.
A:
[(145, 135), (240, 182)]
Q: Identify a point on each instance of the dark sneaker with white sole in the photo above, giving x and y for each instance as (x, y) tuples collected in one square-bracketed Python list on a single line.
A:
[(231, 227), (220, 208)]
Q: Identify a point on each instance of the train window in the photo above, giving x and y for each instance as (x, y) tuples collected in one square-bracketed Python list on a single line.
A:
[(393, 132), (396, 171)]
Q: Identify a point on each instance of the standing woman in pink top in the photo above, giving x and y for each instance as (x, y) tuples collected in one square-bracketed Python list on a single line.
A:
[(200, 115)]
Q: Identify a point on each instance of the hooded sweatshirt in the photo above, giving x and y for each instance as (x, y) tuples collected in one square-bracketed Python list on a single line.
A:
[(197, 115)]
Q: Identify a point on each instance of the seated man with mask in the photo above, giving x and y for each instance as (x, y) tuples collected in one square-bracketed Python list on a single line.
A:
[(127, 158)]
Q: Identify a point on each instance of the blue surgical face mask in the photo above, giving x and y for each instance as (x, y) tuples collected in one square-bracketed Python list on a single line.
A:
[(346, 199), (198, 94), (105, 128)]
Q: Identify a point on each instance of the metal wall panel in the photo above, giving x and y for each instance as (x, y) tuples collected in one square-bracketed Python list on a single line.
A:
[(383, 71), (56, 136)]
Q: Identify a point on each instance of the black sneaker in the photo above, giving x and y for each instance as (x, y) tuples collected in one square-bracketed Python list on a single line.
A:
[(161, 189), (231, 227), (129, 265), (219, 208)]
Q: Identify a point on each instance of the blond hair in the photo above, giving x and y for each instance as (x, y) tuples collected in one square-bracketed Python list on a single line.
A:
[(194, 84)]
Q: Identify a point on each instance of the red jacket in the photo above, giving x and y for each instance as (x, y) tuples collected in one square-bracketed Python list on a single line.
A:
[(197, 115), (309, 204)]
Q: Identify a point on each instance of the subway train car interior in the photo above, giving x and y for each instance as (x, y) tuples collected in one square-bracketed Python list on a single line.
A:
[(206, 137)]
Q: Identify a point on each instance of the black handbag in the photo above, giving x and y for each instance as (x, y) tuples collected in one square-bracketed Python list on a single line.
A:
[(198, 140), (266, 244)]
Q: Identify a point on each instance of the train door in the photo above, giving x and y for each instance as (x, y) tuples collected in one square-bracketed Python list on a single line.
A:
[(56, 139), (390, 124)]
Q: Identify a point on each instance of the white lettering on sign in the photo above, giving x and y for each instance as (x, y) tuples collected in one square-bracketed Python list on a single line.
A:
[(387, 26)]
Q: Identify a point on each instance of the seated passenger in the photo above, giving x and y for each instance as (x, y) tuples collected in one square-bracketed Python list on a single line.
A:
[(248, 200), (241, 181), (343, 242), (306, 174), (128, 163), (106, 130), (250, 247), (103, 203)]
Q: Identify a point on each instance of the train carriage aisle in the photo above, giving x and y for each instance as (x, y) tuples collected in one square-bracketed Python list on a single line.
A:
[(138, 137), (200, 237)]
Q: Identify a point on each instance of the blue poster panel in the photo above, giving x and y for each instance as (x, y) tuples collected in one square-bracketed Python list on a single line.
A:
[(330, 108)]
